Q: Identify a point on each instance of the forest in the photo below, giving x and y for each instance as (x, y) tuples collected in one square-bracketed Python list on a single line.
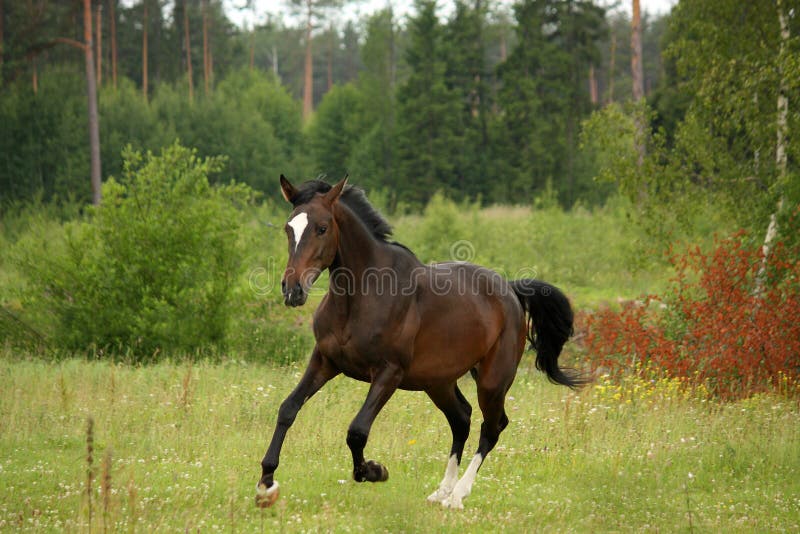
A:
[(476, 105)]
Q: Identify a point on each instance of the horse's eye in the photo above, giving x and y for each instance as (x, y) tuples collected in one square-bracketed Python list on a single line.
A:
[(321, 230)]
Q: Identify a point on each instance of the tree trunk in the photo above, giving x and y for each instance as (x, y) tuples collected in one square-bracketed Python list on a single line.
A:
[(330, 58), (592, 86), (783, 99), (112, 14), (782, 132), (252, 49), (188, 45), (2, 41), (308, 78), (637, 74), (206, 63), (99, 53), (612, 60), (144, 49), (91, 92), (35, 77)]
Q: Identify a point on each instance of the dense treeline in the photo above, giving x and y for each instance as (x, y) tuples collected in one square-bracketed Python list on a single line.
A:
[(486, 104)]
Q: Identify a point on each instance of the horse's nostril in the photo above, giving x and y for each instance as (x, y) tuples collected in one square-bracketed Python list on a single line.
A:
[(283, 286), (298, 288)]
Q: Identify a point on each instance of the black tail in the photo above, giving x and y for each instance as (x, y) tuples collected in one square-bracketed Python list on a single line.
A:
[(550, 326)]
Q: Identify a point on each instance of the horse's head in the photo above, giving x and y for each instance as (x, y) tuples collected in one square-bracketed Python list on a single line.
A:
[(313, 240)]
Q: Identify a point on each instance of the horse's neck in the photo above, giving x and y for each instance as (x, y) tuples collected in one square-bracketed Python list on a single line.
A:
[(358, 249)]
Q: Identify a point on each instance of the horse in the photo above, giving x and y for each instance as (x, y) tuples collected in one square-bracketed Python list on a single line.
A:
[(394, 322)]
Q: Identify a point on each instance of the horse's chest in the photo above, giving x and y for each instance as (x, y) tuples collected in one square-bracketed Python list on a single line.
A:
[(357, 356), (348, 358)]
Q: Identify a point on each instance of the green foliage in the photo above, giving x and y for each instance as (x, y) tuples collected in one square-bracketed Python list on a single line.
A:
[(335, 130), (152, 268), (127, 120), (428, 111), (467, 78), (250, 119), (43, 146), (444, 227), (727, 76), (537, 133), (373, 161)]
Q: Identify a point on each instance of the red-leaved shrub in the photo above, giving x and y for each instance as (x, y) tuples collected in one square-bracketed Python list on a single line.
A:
[(721, 324)]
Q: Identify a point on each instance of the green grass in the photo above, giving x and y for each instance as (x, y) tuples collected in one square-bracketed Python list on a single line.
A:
[(186, 442)]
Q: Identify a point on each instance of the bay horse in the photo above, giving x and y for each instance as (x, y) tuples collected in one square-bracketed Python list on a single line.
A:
[(391, 321)]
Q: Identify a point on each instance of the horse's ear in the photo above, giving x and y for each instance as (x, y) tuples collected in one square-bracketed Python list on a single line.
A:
[(336, 191), (287, 189)]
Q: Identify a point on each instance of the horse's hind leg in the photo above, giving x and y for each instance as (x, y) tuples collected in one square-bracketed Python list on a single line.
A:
[(383, 386), (495, 420), (495, 375), (455, 407)]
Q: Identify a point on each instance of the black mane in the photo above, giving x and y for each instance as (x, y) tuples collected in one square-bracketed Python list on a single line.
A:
[(355, 199)]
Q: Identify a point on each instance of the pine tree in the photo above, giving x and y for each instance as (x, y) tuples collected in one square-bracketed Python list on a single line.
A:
[(429, 139), (374, 160), (544, 96), (466, 77)]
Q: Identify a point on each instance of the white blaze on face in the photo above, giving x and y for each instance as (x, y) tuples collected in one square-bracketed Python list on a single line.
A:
[(298, 225)]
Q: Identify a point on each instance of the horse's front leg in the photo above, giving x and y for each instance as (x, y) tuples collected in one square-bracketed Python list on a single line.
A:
[(383, 386), (318, 372)]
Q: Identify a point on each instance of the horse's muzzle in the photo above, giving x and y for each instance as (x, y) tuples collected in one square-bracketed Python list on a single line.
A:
[(293, 295)]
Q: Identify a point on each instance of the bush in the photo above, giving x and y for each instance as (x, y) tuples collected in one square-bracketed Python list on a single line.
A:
[(151, 269), (718, 326)]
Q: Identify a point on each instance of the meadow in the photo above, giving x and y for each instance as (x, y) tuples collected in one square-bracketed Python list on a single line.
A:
[(177, 446)]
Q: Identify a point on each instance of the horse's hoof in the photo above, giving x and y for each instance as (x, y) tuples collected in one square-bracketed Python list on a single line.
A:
[(439, 496), (371, 471), (452, 502), (266, 496), (384, 474), (377, 472)]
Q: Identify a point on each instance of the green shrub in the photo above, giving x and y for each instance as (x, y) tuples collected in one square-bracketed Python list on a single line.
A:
[(151, 269)]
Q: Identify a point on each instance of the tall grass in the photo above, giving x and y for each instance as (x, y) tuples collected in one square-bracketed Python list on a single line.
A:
[(188, 439)]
